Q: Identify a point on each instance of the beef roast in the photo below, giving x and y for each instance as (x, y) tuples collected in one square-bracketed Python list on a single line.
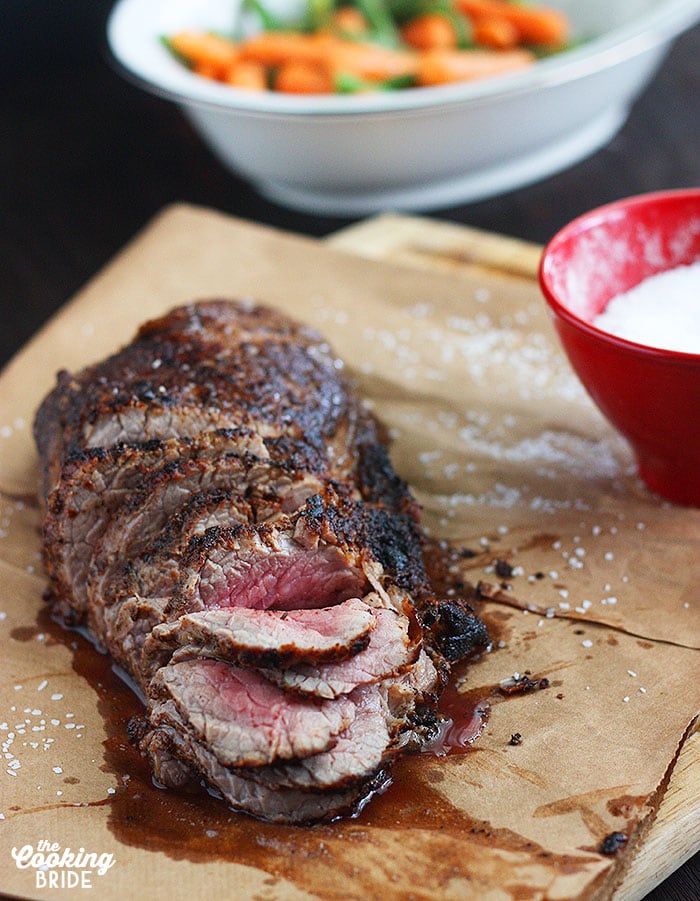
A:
[(221, 512)]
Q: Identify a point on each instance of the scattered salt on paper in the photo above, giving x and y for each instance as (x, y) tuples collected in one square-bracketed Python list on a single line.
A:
[(662, 311)]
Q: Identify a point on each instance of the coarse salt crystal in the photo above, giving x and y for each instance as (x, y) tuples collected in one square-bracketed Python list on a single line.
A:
[(586, 643), (661, 311)]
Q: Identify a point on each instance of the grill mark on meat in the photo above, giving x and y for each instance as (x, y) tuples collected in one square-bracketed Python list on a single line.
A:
[(228, 545), (391, 539), (379, 482)]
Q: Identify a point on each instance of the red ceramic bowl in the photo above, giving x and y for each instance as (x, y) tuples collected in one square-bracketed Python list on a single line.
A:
[(651, 396)]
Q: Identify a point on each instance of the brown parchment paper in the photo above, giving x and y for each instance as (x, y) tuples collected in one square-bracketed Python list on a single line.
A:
[(510, 459)]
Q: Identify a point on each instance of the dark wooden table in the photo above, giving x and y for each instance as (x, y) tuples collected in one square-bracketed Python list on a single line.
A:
[(86, 160)]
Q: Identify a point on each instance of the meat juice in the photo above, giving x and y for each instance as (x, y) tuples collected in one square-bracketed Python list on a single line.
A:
[(326, 858)]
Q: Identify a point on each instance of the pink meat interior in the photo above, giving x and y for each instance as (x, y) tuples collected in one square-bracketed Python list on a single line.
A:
[(296, 581)]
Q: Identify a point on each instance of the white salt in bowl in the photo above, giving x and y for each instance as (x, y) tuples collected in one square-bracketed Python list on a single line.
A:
[(418, 148), (650, 394)]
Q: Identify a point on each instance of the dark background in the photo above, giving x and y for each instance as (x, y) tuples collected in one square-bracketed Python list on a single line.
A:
[(86, 159)]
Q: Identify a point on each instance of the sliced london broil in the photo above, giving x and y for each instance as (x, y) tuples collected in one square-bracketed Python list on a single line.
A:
[(221, 513)]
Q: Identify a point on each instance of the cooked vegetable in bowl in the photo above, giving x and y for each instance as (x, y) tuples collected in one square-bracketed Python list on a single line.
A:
[(364, 146), (350, 46)]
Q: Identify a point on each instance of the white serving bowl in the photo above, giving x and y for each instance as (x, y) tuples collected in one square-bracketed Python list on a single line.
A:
[(418, 148)]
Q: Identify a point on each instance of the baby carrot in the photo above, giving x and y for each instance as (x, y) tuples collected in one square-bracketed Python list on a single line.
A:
[(495, 32), (202, 50), (535, 24), (299, 77), (350, 21), (248, 75), (372, 61), (368, 61), (275, 48), (429, 31), (436, 67), (204, 70)]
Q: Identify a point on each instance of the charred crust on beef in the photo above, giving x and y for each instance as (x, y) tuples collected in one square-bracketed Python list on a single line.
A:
[(379, 482), (454, 628), (392, 539)]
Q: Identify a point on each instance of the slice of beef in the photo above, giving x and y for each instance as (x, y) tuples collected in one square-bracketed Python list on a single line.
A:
[(257, 489), (241, 717), (175, 755), (265, 638), (361, 750), (156, 571), (322, 786), (389, 651), (96, 483), (331, 549), (124, 629), (264, 567)]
